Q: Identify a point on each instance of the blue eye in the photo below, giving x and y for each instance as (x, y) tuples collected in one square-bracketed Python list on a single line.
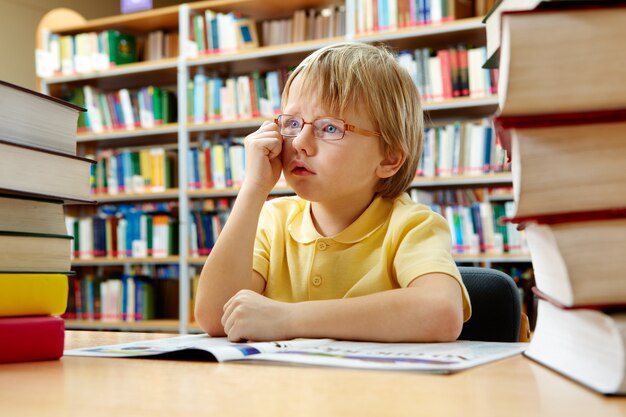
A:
[(293, 123), (331, 129)]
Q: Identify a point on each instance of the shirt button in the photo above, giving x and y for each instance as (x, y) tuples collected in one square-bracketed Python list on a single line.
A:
[(322, 245), (317, 280)]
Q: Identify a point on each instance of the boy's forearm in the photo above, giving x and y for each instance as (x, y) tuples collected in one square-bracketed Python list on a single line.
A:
[(228, 268), (402, 315)]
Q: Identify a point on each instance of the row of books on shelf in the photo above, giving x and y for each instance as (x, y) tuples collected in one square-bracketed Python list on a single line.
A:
[(127, 298), (475, 225), (216, 32), (85, 52), (455, 71), (305, 25), (135, 171), (375, 15), (151, 230), (133, 231), (462, 148), (124, 109), (212, 98)]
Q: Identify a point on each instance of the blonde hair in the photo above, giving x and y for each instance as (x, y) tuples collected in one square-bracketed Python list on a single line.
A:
[(344, 74)]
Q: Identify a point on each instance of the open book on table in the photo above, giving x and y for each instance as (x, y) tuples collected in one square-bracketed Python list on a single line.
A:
[(422, 357)]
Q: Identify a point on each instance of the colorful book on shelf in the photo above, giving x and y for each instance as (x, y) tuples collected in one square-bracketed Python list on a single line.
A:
[(28, 170), (34, 252), (31, 215), (34, 119), (587, 344), (34, 338), (32, 294)]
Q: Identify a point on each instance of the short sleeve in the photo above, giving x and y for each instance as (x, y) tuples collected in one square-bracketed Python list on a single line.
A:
[(424, 247), (262, 243)]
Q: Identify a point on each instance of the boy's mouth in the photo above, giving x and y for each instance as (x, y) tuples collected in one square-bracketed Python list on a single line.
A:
[(300, 168)]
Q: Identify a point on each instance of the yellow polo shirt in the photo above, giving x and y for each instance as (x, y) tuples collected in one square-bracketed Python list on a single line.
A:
[(393, 242)]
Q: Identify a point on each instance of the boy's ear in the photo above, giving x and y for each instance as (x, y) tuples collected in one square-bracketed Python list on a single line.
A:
[(390, 164)]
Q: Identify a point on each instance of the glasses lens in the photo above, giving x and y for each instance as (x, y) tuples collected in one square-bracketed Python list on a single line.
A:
[(290, 125), (329, 129)]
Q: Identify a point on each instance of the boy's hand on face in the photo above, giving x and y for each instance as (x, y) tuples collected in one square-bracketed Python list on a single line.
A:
[(263, 161), (252, 316)]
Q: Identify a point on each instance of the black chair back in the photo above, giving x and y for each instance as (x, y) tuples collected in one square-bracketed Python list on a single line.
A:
[(496, 306)]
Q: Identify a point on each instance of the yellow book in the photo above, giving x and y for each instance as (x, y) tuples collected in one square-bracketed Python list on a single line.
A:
[(32, 294)]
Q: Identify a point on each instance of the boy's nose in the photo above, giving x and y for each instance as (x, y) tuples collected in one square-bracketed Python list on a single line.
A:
[(305, 141)]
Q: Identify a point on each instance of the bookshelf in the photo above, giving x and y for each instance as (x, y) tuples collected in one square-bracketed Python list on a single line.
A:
[(183, 134)]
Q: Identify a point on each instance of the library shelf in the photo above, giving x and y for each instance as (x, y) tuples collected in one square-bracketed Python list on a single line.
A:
[(160, 325), (458, 181), (170, 194), (109, 261)]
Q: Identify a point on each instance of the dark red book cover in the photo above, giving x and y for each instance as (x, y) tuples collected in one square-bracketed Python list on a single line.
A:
[(26, 339), (567, 217), (606, 308)]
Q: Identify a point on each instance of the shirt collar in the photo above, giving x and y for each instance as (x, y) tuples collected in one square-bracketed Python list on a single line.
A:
[(302, 229)]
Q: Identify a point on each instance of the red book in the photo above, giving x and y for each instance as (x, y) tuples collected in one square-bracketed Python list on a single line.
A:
[(446, 73), (35, 338)]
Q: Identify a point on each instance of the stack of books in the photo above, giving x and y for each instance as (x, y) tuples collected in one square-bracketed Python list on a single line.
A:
[(563, 115), (39, 171)]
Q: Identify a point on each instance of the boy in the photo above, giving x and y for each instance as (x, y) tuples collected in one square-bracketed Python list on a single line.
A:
[(351, 256)]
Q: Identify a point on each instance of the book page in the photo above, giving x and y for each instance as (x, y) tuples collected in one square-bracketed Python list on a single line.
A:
[(423, 357)]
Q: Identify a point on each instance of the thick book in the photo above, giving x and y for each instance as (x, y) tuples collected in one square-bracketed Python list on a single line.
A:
[(580, 262), (563, 168), (31, 215), (35, 338), (493, 18), (32, 171), (562, 60), (34, 119), (421, 357), (585, 345), (32, 294), (34, 252)]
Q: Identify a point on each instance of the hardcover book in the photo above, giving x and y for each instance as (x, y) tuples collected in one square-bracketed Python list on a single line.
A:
[(34, 252), (34, 119), (581, 262), (586, 345), (31, 294), (35, 338), (551, 62), (28, 170), (568, 168), (31, 215)]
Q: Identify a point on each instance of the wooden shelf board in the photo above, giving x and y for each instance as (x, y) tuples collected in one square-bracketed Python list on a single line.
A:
[(161, 325), (463, 181), (493, 258), (116, 71), (124, 197), (124, 261), (437, 29), (165, 129)]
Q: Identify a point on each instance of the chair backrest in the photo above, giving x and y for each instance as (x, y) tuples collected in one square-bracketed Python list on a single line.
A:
[(496, 306)]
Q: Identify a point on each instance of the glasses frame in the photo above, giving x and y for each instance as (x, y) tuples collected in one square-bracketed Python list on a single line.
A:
[(348, 127)]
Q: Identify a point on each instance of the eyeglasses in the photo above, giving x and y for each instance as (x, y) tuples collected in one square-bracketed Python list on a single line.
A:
[(325, 128)]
